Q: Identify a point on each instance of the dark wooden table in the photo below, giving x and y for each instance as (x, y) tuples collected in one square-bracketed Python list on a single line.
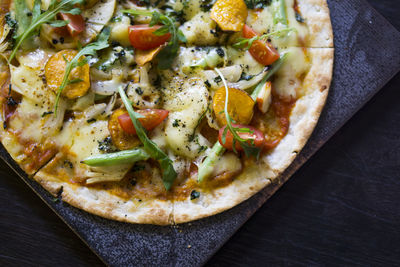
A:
[(340, 208)]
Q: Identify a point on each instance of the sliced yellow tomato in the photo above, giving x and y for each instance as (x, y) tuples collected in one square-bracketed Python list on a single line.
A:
[(54, 73), (121, 139), (240, 106), (230, 15)]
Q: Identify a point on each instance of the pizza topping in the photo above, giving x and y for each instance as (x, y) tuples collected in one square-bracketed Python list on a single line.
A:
[(194, 194), (280, 15), (79, 61), (212, 60), (264, 97), (168, 172), (150, 119), (240, 106), (106, 145), (274, 68), (117, 158), (144, 56), (38, 154), (76, 23), (201, 30), (297, 13), (257, 4), (39, 18), (207, 166), (248, 133), (143, 37), (120, 138), (168, 31), (249, 148), (262, 51), (252, 36), (230, 15), (55, 69)]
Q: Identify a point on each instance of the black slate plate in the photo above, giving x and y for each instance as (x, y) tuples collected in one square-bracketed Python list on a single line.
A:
[(367, 56)]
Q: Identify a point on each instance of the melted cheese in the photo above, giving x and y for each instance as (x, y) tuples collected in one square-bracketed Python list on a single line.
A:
[(119, 31), (198, 30), (244, 59), (37, 100), (229, 162), (85, 144), (190, 8), (28, 82), (288, 79), (186, 101)]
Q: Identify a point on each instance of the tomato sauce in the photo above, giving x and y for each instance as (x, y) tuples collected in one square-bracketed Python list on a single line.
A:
[(38, 154), (275, 123)]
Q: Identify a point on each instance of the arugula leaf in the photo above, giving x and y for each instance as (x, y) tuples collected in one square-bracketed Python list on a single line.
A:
[(28, 28), (247, 42), (168, 53), (249, 149), (168, 172), (207, 166), (88, 50)]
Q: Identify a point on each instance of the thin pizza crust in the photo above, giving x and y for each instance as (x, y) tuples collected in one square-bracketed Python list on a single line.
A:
[(102, 203)]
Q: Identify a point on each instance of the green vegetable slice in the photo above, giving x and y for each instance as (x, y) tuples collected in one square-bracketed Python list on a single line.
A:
[(207, 166), (274, 68), (168, 172), (280, 15), (117, 158)]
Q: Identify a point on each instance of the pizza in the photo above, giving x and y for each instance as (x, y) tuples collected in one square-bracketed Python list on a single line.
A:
[(161, 112)]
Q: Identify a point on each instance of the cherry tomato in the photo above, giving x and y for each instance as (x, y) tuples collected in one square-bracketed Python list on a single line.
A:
[(261, 51), (254, 134), (142, 37), (270, 144), (76, 23), (152, 118)]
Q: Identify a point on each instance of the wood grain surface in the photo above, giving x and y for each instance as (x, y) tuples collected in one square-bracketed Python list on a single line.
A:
[(341, 208)]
